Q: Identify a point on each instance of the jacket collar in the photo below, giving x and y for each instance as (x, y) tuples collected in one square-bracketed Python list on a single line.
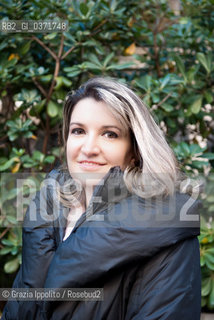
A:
[(110, 190)]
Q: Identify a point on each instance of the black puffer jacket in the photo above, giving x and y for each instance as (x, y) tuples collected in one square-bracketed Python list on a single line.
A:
[(143, 253)]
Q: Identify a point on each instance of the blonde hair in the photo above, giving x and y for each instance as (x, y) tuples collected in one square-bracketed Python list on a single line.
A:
[(155, 171)]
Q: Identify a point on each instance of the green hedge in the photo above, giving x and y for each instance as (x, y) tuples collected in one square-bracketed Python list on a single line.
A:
[(164, 53)]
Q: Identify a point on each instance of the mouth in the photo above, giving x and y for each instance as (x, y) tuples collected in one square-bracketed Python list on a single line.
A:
[(85, 164), (90, 163)]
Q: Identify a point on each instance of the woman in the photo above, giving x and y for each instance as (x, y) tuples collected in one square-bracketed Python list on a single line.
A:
[(122, 225)]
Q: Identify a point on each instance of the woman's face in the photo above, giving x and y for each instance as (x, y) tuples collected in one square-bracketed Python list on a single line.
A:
[(96, 141)]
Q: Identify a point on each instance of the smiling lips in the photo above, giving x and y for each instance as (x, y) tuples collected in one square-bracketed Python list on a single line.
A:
[(90, 165)]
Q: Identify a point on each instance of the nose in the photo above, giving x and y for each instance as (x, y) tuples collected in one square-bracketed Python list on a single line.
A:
[(90, 146)]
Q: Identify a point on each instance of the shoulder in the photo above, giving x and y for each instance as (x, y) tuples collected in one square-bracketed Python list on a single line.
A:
[(59, 174), (178, 209), (171, 280), (44, 207)]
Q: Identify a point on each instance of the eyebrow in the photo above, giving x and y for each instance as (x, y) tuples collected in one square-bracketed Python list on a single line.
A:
[(103, 127)]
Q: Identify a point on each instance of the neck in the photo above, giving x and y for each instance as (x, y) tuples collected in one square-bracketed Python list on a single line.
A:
[(88, 190)]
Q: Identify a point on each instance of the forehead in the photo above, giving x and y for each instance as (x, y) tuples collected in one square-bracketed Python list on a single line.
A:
[(89, 110)]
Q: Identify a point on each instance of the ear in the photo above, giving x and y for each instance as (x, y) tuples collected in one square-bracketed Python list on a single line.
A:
[(133, 162)]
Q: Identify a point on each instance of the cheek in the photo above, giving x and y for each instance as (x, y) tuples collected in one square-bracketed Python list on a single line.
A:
[(127, 154), (71, 149), (119, 154), (68, 149)]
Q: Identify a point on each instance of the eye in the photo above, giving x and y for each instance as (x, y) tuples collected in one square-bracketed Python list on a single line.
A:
[(111, 135), (77, 131)]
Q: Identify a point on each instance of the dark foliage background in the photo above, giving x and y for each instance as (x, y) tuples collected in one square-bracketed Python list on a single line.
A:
[(162, 49)]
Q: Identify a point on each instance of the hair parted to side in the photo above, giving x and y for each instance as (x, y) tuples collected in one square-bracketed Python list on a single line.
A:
[(156, 170)]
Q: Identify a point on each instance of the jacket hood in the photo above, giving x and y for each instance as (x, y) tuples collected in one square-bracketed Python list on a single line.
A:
[(112, 198), (124, 229)]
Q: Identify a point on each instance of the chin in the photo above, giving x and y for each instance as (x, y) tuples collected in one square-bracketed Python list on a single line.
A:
[(88, 178)]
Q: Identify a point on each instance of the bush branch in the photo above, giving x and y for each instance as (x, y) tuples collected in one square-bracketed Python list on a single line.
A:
[(67, 52), (164, 99), (56, 72), (45, 47), (40, 87)]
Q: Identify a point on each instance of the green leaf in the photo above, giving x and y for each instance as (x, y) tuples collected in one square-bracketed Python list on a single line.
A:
[(49, 159), (209, 264), (185, 148), (4, 93), (206, 286), (36, 109), (28, 134), (167, 107), (208, 155), (3, 45), (11, 219), (46, 79), (147, 100), (10, 63), (180, 66), (74, 73), (113, 5), (108, 59), (210, 198), (155, 97), (184, 20), (27, 123), (192, 72), (144, 83), (171, 123), (199, 164), (211, 296), (91, 66), (52, 109), (25, 48), (59, 82), (30, 164), (38, 156), (11, 266), (5, 251), (7, 164), (66, 82), (93, 58), (18, 152), (120, 66), (209, 259), (10, 123), (211, 208), (2, 160), (205, 61), (202, 261), (211, 252), (14, 251), (69, 36), (83, 8), (208, 96), (196, 105), (28, 96), (195, 149), (12, 136), (211, 177), (164, 81), (7, 242), (50, 36)]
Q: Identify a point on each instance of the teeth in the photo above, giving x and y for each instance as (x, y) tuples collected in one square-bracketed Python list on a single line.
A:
[(90, 163)]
